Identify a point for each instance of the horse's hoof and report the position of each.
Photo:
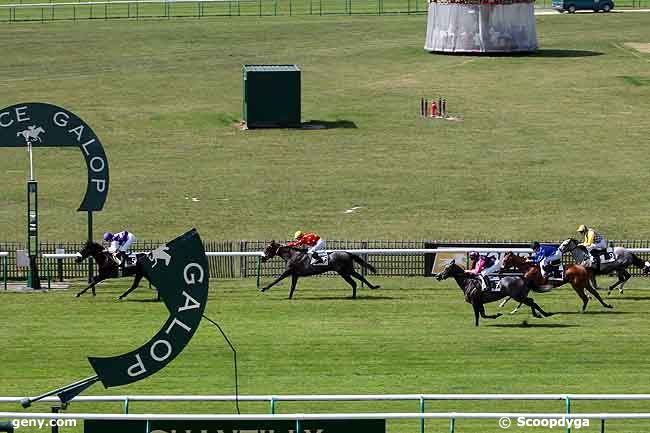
(549, 314)
(499, 315)
(77, 295)
(375, 287)
(609, 306)
(120, 298)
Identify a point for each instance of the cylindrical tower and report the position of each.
(481, 26)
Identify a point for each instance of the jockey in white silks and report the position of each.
(120, 244)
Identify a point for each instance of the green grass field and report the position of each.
(411, 336)
(548, 141)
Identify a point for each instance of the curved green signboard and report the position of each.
(47, 125)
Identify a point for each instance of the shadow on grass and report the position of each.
(564, 53)
(532, 325)
(629, 298)
(328, 124)
(142, 300)
(337, 298)
(595, 312)
(550, 53)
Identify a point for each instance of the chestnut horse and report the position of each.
(576, 275)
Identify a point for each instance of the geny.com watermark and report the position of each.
(522, 421)
(43, 423)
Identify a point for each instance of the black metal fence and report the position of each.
(401, 265)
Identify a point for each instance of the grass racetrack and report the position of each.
(411, 336)
(548, 141)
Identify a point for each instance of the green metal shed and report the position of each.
(271, 96)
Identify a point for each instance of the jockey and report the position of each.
(310, 239)
(593, 241)
(545, 255)
(120, 243)
(483, 266)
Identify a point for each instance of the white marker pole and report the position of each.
(31, 159)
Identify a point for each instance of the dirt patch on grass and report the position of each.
(643, 47)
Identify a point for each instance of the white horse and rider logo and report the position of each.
(31, 134)
(160, 254)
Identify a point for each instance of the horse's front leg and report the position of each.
(477, 309)
(136, 282)
(92, 285)
(282, 276)
(294, 281)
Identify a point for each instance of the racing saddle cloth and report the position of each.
(322, 255)
(491, 283)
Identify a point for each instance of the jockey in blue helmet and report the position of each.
(545, 255)
(119, 244)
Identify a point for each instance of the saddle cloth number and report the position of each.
(494, 284)
(323, 257)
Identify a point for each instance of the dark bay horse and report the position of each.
(514, 287)
(298, 264)
(108, 268)
(624, 259)
(576, 275)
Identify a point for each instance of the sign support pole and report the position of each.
(90, 239)
(33, 280)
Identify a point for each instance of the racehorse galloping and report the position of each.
(624, 259)
(298, 264)
(515, 287)
(108, 268)
(576, 275)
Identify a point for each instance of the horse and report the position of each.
(298, 264)
(514, 287)
(576, 275)
(623, 260)
(108, 268)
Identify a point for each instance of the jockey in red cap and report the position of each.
(311, 240)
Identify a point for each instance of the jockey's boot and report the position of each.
(316, 257)
(485, 283)
(117, 258)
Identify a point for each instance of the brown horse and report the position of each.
(576, 275)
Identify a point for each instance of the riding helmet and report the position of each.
(582, 228)
(297, 234)
(534, 245)
(108, 236)
(474, 255)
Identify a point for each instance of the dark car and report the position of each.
(576, 5)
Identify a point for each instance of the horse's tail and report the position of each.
(363, 263)
(637, 261)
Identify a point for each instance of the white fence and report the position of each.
(260, 254)
(422, 415)
(368, 251)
